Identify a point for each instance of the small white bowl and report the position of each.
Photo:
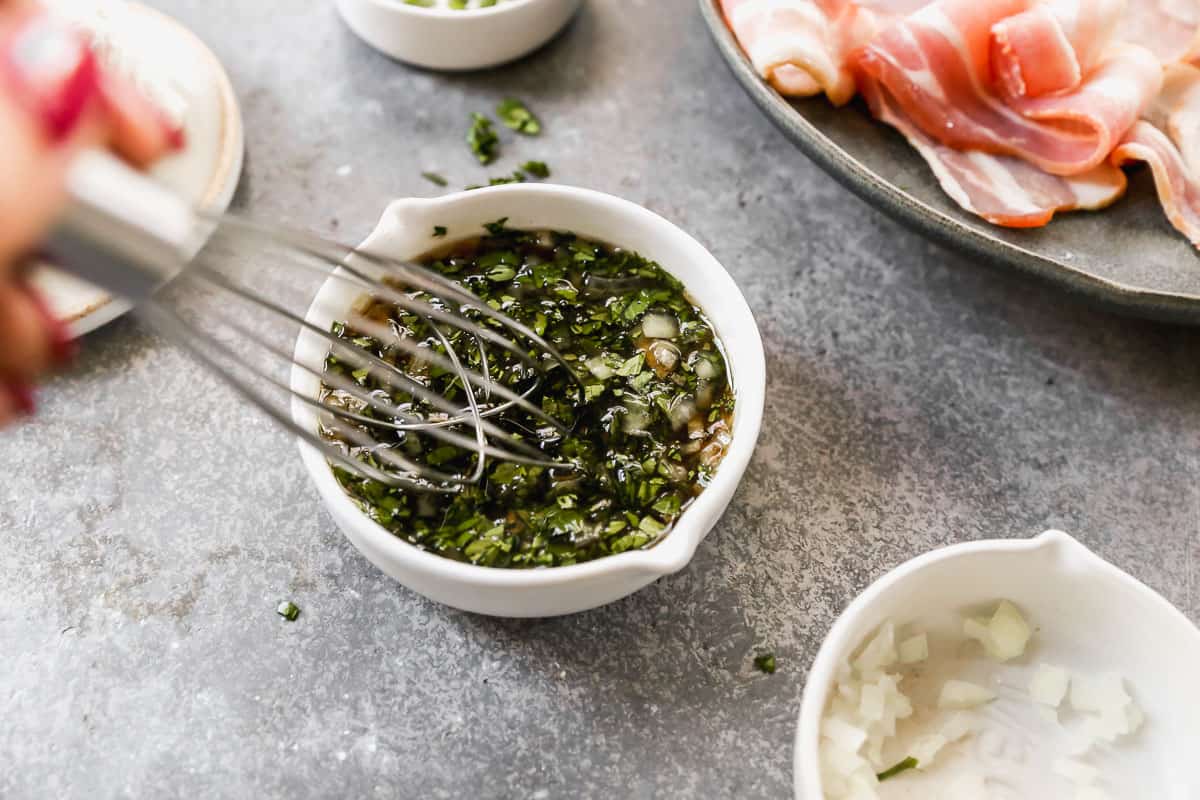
(440, 38)
(1087, 616)
(406, 232)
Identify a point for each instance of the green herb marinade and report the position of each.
(647, 428)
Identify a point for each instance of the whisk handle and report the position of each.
(121, 230)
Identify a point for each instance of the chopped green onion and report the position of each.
(288, 610)
(433, 177)
(896, 769)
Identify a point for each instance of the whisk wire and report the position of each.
(395, 379)
(131, 236)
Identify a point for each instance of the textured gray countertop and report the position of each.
(914, 400)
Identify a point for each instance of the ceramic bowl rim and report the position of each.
(446, 13)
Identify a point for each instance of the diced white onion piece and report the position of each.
(862, 786)
(1048, 713)
(635, 418)
(875, 752)
(880, 652)
(682, 410)
(1009, 632)
(843, 734)
(1101, 728)
(663, 356)
(979, 631)
(1079, 744)
(1075, 771)
(967, 786)
(963, 694)
(705, 369)
(870, 707)
(1049, 685)
(598, 368)
(1096, 693)
(914, 649)
(1133, 717)
(903, 707)
(840, 760)
(833, 780)
(659, 326)
(957, 726)
(925, 748)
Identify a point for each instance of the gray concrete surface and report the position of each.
(914, 400)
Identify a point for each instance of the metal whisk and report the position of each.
(129, 236)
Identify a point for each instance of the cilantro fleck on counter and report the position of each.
(647, 429)
(537, 169)
(515, 115)
(482, 139)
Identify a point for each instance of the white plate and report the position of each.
(205, 173)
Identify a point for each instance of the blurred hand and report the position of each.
(55, 101)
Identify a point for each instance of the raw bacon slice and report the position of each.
(1004, 190)
(1169, 142)
(1176, 112)
(935, 65)
(801, 47)
(1178, 190)
(1052, 46)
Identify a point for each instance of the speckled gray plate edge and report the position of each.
(880, 193)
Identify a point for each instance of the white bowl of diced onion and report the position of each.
(1006, 669)
(462, 35)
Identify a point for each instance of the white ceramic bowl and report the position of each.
(1088, 616)
(406, 231)
(439, 38)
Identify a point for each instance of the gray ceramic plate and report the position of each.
(1127, 258)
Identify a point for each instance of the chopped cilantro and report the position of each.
(516, 177)
(765, 662)
(439, 230)
(514, 114)
(496, 228)
(482, 139)
(288, 610)
(632, 365)
(537, 169)
(433, 177)
(636, 470)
